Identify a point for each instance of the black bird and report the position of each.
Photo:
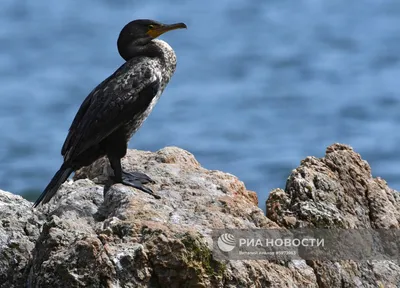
(117, 107)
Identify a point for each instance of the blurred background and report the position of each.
(259, 85)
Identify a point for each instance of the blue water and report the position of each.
(259, 85)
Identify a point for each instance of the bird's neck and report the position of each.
(149, 49)
(156, 49)
(169, 58)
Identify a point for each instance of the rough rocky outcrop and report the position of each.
(339, 191)
(93, 234)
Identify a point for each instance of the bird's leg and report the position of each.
(133, 179)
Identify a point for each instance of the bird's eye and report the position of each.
(151, 26)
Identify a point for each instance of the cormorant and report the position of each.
(117, 107)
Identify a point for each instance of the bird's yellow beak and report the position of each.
(156, 31)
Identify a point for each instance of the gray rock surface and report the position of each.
(19, 230)
(338, 191)
(93, 234)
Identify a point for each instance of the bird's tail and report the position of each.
(51, 189)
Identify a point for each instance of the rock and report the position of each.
(338, 191)
(335, 191)
(93, 234)
(19, 230)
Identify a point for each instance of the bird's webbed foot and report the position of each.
(133, 179)
(137, 180)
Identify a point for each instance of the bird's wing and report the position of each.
(126, 93)
(80, 115)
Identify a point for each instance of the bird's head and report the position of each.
(139, 33)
